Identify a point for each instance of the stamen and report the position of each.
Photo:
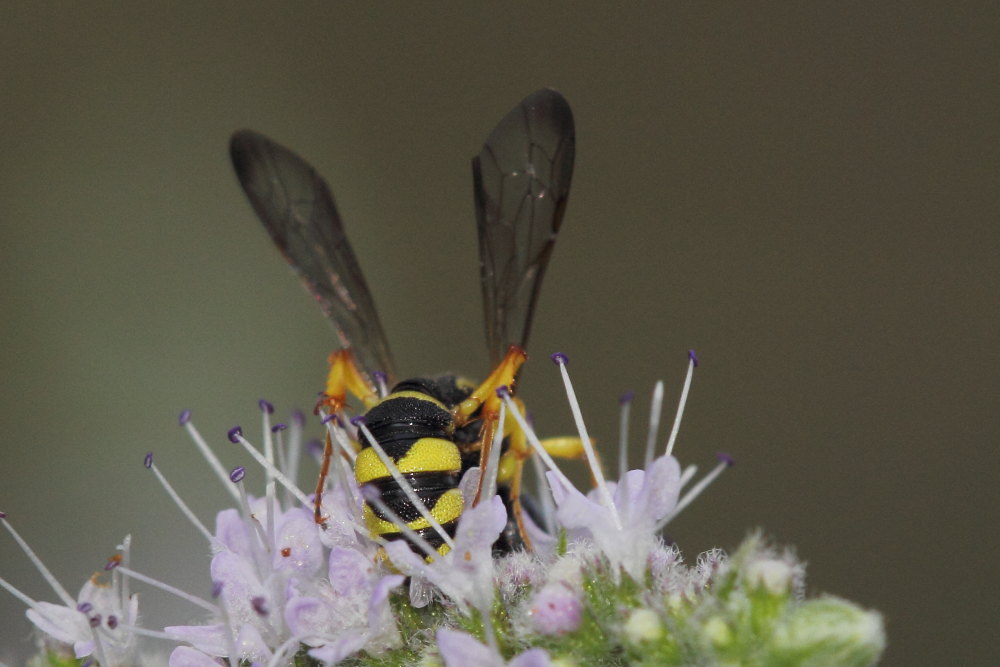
(401, 481)
(155, 634)
(249, 519)
(266, 410)
(373, 496)
(279, 446)
(98, 644)
(193, 599)
(7, 586)
(126, 551)
(234, 434)
(692, 364)
(380, 380)
(227, 623)
(206, 452)
(335, 426)
(725, 461)
(532, 439)
(493, 464)
(544, 495)
(281, 651)
(148, 462)
(687, 474)
(595, 467)
(342, 473)
(259, 605)
(626, 403)
(655, 410)
(66, 598)
(293, 446)
(278, 475)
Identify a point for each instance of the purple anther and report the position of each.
(503, 391)
(379, 377)
(626, 397)
(148, 461)
(184, 417)
(725, 458)
(357, 421)
(234, 434)
(216, 589)
(329, 418)
(278, 427)
(112, 622)
(299, 417)
(259, 605)
(265, 406)
(237, 474)
(95, 620)
(559, 359)
(314, 446)
(112, 563)
(84, 607)
(693, 357)
(3, 515)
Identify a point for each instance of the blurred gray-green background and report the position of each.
(806, 193)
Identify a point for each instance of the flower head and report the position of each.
(600, 579)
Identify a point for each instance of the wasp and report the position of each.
(433, 429)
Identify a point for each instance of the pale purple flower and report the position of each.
(98, 611)
(641, 499)
(555, 610)
(459, 649)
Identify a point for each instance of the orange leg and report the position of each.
(485, 396)
(344, 377)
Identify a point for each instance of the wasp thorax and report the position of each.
(413, 410)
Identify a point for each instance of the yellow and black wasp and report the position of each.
(434, 429)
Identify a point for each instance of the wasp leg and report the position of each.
(344, 377)
(485, 396)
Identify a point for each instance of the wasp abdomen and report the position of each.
(415, 429)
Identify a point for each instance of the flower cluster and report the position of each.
(600, 585)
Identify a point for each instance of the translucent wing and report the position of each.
(521, 180)
(296, 207)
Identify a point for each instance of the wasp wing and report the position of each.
(521, 180)
(296, 207)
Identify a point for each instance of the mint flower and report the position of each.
(600, 585)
